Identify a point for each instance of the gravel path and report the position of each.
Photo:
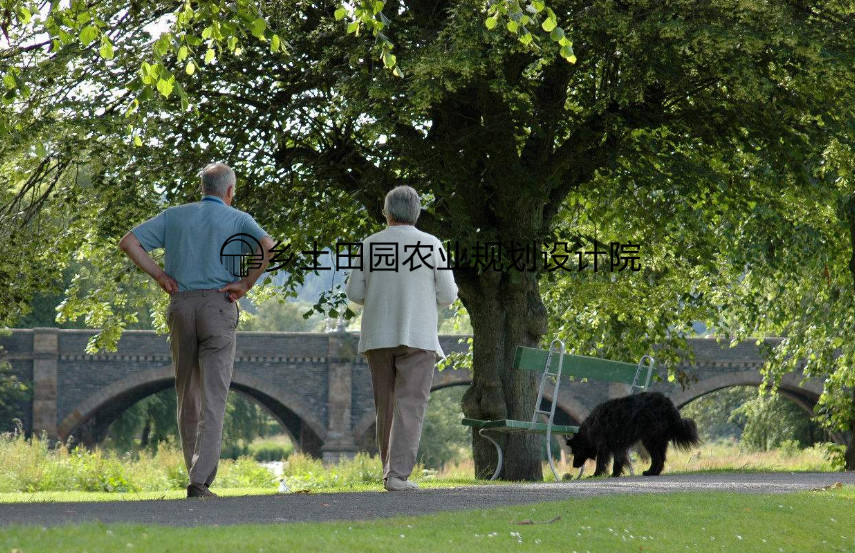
(371, 505)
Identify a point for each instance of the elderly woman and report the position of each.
(402, 285)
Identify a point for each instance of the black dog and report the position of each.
(618, 424)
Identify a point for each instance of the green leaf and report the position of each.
(9, 81)
(185, 102)
(549, 24)
(210, 55)
(106, 50)
(165, 86)
(161, 46)
(183, 52)
(207, 32)
(275, 43)
(397, 72)
(191, 68)
(340, 13)
(378, 6)
(513, 26)
(526, 38)
(390, 60)
(491, 22)
(353, 27)
(258, 28)
(137, 141)
(88, 35)
(567, 53)
(25, 14)
(557, 34)
(233, 41)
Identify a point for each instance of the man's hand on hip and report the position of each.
(169, 284)
(236, 289)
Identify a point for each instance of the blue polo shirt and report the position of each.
(200, 242)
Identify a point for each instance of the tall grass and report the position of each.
(302, 472)
(35, 465)
(709, 457)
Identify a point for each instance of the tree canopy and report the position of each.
(701, 130)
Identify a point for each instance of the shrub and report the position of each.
(302, 472)
(233, 450)
(244, 473)
(269, 450)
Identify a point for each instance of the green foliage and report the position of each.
(758, 422)
(186, 32)
(13, 393)
(245, 473)
(270, 450)
(444, 439)
(148, 423)
(712, 133)
(283, 316)
(522, 17)
(33, 465)
(302, 472)
(770, 422)
(712, 413)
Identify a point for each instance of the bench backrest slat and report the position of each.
(577, 366)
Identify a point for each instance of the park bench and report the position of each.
(553, 364)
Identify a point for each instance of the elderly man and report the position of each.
(399, 328)
(203, 310)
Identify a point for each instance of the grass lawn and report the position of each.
(804, 523)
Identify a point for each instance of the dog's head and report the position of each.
(581, 448)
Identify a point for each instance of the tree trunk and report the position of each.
(849, 455)
(145, 437)
(506, 311)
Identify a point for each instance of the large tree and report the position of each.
(494, 132)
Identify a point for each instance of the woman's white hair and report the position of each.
(216, 179)
(402, 205)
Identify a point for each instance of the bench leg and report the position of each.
(498, 450)
(549, 454)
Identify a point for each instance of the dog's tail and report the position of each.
(684, 434)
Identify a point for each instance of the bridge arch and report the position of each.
(804, 394)
(90, 420)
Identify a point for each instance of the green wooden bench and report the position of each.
(553, 364)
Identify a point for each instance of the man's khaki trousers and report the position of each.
(202, 331)
(401, 378)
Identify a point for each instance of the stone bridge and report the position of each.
(313, 383)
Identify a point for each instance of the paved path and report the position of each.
(371, 505)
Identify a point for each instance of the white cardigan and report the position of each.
(401, 305)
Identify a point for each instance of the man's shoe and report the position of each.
(393, 484)
(200, 490)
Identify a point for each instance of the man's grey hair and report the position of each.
(402, 205)
(216, 179)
